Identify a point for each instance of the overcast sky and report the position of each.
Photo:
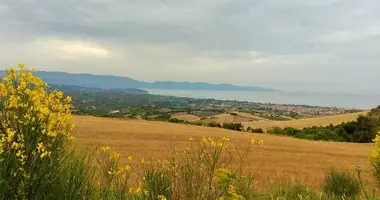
(291, 45)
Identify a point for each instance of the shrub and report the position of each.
(175, 120)
(254, 130)
(291, 191)
(275, 131)
(36, 161)
(375, 158)
(233, 126)
(363, 130)
(213, 124)
(341, 184)
(225, 180)
(158, 183)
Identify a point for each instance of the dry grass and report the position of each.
(308, 122)
(250, 116)
(280, 158)
(237, 118)
(186, 117)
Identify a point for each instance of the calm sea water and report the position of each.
(364, 101)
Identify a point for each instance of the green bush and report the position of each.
(157, 182)
(213, 124)
(363, 130)
(288, 191)
(341, 184)
(175, 120)
(233, 126)
(254, 130)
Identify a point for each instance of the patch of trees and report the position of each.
(233, 126)
(363, 130)
(254, 130)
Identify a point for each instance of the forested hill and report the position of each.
(107, 81)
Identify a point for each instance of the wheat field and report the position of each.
(186, 117)
(307, 122)
(281, 158)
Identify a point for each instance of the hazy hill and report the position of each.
(106, 81)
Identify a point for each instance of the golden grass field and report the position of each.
(308, 122)
(281, 158)
(239, 117)
(186, 117)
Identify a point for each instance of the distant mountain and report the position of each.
(107, 81)
(75, 88)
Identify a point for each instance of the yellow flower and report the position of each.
(11, 70)
(3, 90)
(191, 139)
(142, 161)
(68, 99)
(105, 149)
(115, 155)
(261, 142)
(21, 65)
(18, 154)
(15, 145)
(127, 168)
(59, 94)
(138, 189)
(252, 141)
(161, 197)
(40, 147)
(46, 153)
(226, 139)
(130, 158)
(10, 135)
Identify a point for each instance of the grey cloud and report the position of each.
(298, 41)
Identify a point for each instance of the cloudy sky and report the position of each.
(291, 45)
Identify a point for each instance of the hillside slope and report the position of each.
(280, 157)
(108, 81)
(308, 122)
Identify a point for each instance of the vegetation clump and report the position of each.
(340, 184)
(36, 161)
(363, 130)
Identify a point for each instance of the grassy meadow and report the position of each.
(279, 159)
(307, 122)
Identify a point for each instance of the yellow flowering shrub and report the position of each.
(375, 157)
(35, 125)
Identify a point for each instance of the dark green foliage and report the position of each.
(162, 117)
(375, 113)
(254, 130)
(175, 120)
(363, 130)
(214, 124)
(233, 126)
(341, 184)
(69, 177)
(198, 123)
(158, 182)
(287, 191)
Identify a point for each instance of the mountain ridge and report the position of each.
(111, 81)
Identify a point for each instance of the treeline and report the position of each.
(363, 130)
(229, 126)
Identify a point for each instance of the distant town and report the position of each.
(134, 103)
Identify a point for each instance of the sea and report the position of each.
(354, 101)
